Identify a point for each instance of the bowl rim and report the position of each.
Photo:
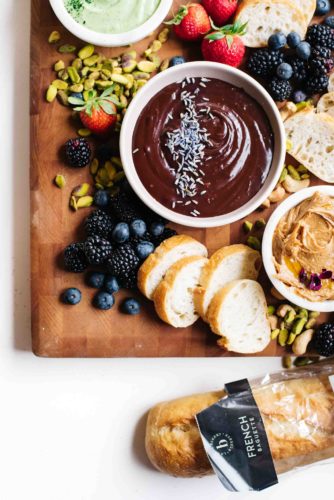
(108, 39)
(267, 253)
(180, 71)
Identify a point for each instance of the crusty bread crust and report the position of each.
(155, 257)
(210, 268)
(214, 312)
(165, 287)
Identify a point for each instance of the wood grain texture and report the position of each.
(59, 330)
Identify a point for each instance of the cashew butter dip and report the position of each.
(202, 147)
(111, 16)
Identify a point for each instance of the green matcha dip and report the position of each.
(111, 16)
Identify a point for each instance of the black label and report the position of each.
(235, 440)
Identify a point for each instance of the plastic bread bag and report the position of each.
(251, 432)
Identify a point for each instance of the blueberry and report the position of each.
(111, 284)
(174, 61)
(103, 300)
(323, 7)
(137, 227)
(130, 306)
(157, 228)
(293, 39)
(71, 296)
(101, 198)
(284, 71)
(303, 50)
(277, 41)
(121, 232)
(95, 279)
(329, 21)
(144, 248)
(299, 96)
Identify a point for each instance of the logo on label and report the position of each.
(223, 443)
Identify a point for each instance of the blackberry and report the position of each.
(320, 34)
(129, 281)
(319, 51)
(264, 62)
(104, 152)
(324, 339)
(100, 223)
(299, 68)
(318, 66)
(75, 258)
(167, 233)
(134, 240)
(122, 208)
(97, 249)
(317, 84)
(78, 152)
(123, 262)
(280, 89)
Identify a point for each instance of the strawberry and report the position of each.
(224, 45)
(98, 113)
(220, 11)
(191, 22)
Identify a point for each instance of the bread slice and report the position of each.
(308, 8)
(312, 141)
(229, 263)
(326, 104)
(238, 312)
(165, 255)
(174, 297)
(331, 83)
(265, 17)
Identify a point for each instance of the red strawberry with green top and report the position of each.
(191, 22)
(224, 45)
(98, 113)
(220, 11)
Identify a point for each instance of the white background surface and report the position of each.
(72, 429)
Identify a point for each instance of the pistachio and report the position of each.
(130, 80)
(51, 93)
(288, 145)
(99, 186)
(283, 175)
(289, 317)
(101, 84)
(302, 361)
(117, 161)
(119, 79)
(273, 321)
(94, 166)
(164, 65)
(141, 75)
(293, 172)
(119, 176)
(163, 35)
(81, 190)
(60, 84)
(310, 324)
(305, 176)
(298, 325)
(277, 195)
(260, 223)
(60, 181)
(283, 337)
(299, 347)
(155, 60)
(86, 51)
(247, 226)
(155, 46)
(63, 74)
(73, 74)
(292, 186)
(90, 61)
(141, 83)
(254, 242)
(266, 203)
(286, 361)
(95, 75)
(77, 87)
(59, 65)
(302, 169)
(67, 49)
(84, 71)
(146, 66)
(284, 309)
(302, 313)
(271, 310)
(84, 132)
(291, 338)
(62, 97)
(129, 65)
(54, 37)
(132, 54)
(85, 202)
(111, 169)
(275, 293)
(314, 314)
(117, 71)
(77, 63)
(89, 84)
(73, 203)
(275, 333)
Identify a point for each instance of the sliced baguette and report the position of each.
(165, 255)
(311, 136)
(238, 312)
(265, 17)
(174, 296)
(229, 263)
(326, 104)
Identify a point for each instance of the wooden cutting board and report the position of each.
(63, 331)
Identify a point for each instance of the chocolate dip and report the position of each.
(202, 147)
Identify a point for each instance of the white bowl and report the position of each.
(229, 75)
(267, 251)
(110, 40)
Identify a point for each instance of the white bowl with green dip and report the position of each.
(111, 23)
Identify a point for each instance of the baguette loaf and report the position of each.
(265, 17)
(298, 416)
(153, 270)
(311, 136)
(238, 312)
(326, 104)
(174, 296)
(226, 264)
